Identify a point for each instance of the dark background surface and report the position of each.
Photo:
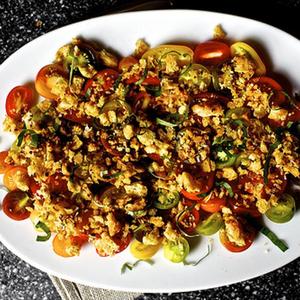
(22, 21)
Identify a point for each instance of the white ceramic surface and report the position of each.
(120, 33)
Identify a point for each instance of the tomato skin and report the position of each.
(73, 115)
(189, 220)
(3, 165)
(102, 82)
(57, 184)
(268, 84)
(19, 100)
(46, 79)
(274, 177)
(294, 113)
(126, 62)
(211, 53)
(33, 186)
(12, 205)
(214, 204)
(149, 80)
(239, 208)
(9, 177)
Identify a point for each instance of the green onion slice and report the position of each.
(209, 250)
(129, 266)
(274, 239)
(44, 227)
(227, 186)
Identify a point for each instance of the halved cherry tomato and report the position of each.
(239, 207)
(232, 247)
(77, 117)
(57, 184)
(248, 182)
(60, 243)
(3, 165)
(189, 220)
(211, 53)
(47, 78)
(122, 243)
(269, 85)
(19, 100)
(294, 113)
(149, 80)
(142, 251)
(241, 48)
(16, 174)
(33, 186)
(110, 148)
(14, 205)
(82, 220)
(102, 82)
(214, 204)
(205, 180)
(277, 181)
(126, 62)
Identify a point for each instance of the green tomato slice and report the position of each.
(176, 251)
(211, 225)
(166, 199)
(283, 211)
(227, 163)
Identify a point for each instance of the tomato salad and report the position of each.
(152, 149)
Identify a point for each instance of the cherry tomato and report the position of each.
(211, 53)
(15, 174)
(142, 251)
(189, 220)
(205, 181)
(102, 82)
(60, 243)
(239, 207)
(57, 184)
(126, 62)
(33, 186)
(248, 232)
(149, 80)
(82, 220)
(3, 165)
(47, 78)
(141, 102)
(14, 205)
(277, 181)
(294, 113)
(19, 100)
(248, 182)
(214, 204)
(122, 243)
(77, 117)
(109, 144)
(269, 85)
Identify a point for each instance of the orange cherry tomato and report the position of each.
(57, 184)
(103, 82)
(14, 205)
(19, 101)
(61, 243)
(3, 165)
(15, 174)
(214, 204)
(269, 85)
(47, 78)
(126, 62)
(211, 53)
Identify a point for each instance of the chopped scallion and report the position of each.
(44, 227)
(130, 266)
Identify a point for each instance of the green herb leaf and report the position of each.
(268, 159)
(162, 122)
(227, 186)
(34, 137)
(21, 137)
(44, 227)
(130, 266)
(274, 239)
(139, 82)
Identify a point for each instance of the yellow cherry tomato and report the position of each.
(142, 251)
(241, 48)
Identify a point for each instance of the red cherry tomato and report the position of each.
(149, 80)
(211, 53)
(249, 234)
(3, 165)
(121, 242)
(246, 183)
(126, 62)
(239, 207)
(33, 186)
(14, 205)
(19, 101)
(189, 220)
(103, 82)
(11, 174)
(77, 117)
(57, 184)
(214, 204)
(269, 85)
(277, 181)
(47, 78)
(294, 113)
